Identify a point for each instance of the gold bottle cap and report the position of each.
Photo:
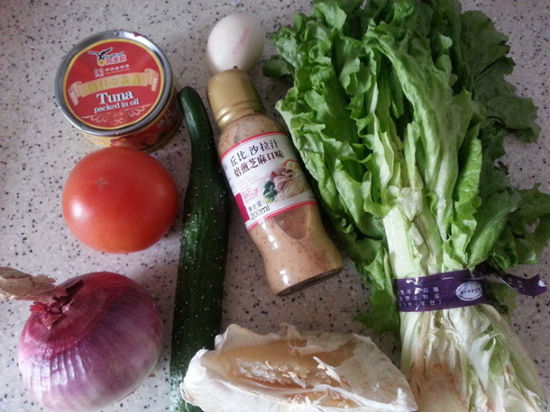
(232, 95)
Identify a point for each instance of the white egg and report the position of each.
(237, 41)
(295, 371)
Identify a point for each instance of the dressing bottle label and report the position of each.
(265, 177)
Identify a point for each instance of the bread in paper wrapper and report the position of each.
(294, 371)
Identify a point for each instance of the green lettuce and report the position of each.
(399, 110)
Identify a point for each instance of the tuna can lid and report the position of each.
(113, 83)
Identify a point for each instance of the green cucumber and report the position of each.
(204, 237)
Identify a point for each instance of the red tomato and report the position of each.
(119, 200)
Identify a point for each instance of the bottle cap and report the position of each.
(232, 95)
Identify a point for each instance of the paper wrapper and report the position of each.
(293, 370)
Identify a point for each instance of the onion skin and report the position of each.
(105, 338)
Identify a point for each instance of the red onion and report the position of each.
(91, 344)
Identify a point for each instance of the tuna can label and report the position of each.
(113, 83)
(265, 177)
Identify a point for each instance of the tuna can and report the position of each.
(117, 89)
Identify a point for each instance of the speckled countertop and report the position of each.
(38, 148)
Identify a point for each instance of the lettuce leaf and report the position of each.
(399, 110)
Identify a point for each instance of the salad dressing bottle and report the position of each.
(271, 191)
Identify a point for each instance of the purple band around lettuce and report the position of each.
(457, 289)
